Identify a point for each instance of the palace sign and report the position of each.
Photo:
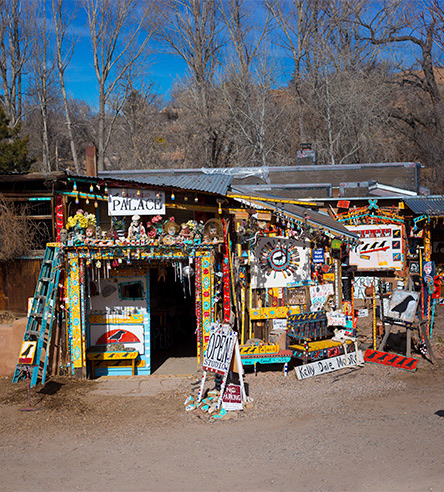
(130, 202)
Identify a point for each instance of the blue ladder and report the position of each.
(41, 316)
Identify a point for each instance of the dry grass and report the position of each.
(17, 236)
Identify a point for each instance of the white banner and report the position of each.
(327, 365)
(130, 202)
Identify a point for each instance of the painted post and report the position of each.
(374, 317)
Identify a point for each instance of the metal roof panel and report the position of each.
(431, 205)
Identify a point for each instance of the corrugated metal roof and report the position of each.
(302, 213)
(431, 205)
(210, 183)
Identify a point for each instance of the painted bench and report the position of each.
(96, 357)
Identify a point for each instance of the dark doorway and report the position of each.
(173, 317)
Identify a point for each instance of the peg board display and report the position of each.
(278, 261)
(381, 247)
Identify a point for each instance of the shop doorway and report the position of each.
(173, 321)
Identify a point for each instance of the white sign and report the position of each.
(381, 247)
(279, 261)
(131, 202)
(232, 399)
(327, 365)
(217, 357)
(280, 324)
(336, 319)
(362, 313)
(318, 296)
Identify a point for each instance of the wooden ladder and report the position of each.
(41, 316)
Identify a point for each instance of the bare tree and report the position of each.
(193, 30)
(119, 36)
(15, 40)
(64, 51)
(42, 74)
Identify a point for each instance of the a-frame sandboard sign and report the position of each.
(222, 344)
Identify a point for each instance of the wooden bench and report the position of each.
(111, 356)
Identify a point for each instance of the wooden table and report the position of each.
(110, 356)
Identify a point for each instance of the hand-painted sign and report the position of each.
(328, 365)
(318, 295)
(135, 202)
(217, 356)
(402, 306)
(232, 399)
(318, 255)
(27, 352)
(381, 247)
(279, 261)
(376, 357)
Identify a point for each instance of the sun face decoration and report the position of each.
(279, 257)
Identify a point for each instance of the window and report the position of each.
(132, 291)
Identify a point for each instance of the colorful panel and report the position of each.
(376, 357)
(74, 312)
(269, 313)
(100, 319)
(207, 272)
(259, 349)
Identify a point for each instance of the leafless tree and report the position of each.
(15, 41)
(64, 50)
(193, 30)
(119, 36)
(42, 74)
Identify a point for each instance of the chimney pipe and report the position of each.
(91, 160)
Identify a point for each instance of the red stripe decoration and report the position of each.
(394, 360)
(226, 279)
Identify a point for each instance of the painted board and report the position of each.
(27, 352)
(327, 365)
(318, 296)
(402, 305)
(130, 202)
(130, 335)
(232, 398)
(217, 356)
(394, 360)
(381, 247)
(279, 261)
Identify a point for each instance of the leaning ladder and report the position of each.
(41, 316)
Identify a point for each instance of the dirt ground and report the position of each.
(374, 428)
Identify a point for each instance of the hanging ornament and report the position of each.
(173, 196)
(123, 192)
(185, 198)
(138, 193)
(98, 186)
(87, 200)
(106, 189)
(74, 186)
(196, 199)
(96, 203)
(91, 188)
(220, 208)
(77, 199)
(158, 195)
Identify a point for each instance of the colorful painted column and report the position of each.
(207, 273)
(75, 323)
